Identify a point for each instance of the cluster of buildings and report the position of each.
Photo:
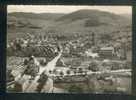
(80, 48)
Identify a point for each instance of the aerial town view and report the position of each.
(69, 49)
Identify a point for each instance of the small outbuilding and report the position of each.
(106, 52)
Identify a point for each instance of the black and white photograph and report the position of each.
(69, 49)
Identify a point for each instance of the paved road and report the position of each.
(59, 90)
(127, 71)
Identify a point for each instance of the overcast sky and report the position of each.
(67, 9)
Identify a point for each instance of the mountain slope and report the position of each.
(85, 13)
(44, 16)
(81, 22)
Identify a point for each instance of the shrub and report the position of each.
(75, 89)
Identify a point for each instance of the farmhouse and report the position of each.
(106, 52)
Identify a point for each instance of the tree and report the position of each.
(68, 72)
(75, 72)
(80, 70)
(10, 77)
(43, 62)
(42, 80)
(61, 73)
(50, 71)
(25, 62)
(93, 66)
